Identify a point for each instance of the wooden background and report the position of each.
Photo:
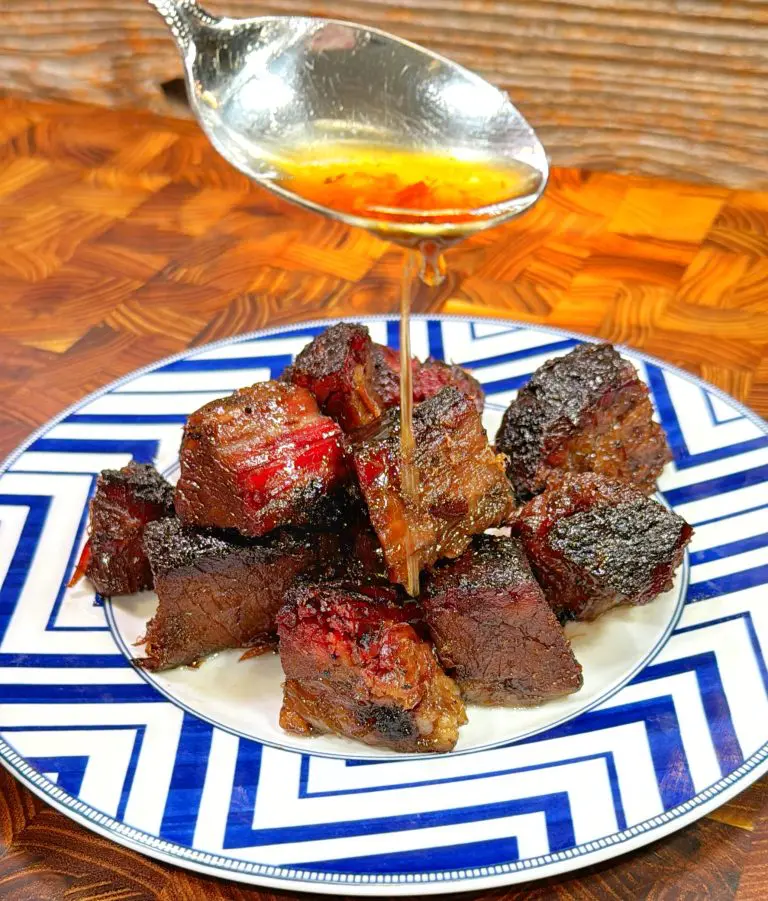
(124, 237)
(669, 88)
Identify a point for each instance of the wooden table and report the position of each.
(124, 237)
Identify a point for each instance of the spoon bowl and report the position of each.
(268, 89)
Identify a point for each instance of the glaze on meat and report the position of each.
(462, 486)
(355, 666)
(585, 412)
(595, 544)
(493, 629)
(259, 459)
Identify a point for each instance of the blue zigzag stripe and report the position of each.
(421, 860)
(24, 553)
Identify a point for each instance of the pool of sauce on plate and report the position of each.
(424, 201)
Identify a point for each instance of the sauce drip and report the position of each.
(409, 476)
(422, 200)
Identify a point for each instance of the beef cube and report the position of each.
(354, 665)
(462, 486)
(354, 380)
(594, 544)
(217, 591)
(125, 501)
(257, 460)
(338, 368)
(429, 378)
(493, 629)
(585, 412)
(434, 375)
(386, 369)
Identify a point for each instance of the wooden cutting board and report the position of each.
(124, 238)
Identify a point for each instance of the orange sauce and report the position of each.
(402, 187)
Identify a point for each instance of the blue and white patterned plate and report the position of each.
(190, 766)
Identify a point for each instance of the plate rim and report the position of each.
(254, 873)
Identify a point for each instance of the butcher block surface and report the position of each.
(125, 238)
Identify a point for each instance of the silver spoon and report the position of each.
(269, 87)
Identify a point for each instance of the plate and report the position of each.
(190, 766)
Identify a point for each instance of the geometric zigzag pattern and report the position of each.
(83, 728)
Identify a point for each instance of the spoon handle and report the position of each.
(183, 17)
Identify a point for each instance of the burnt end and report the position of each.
(218, 591)
(585, 412)
(429, 378)
(595, 544)
(355, 666)
(462, 486)
(338, 368)
(434, 375)
(493, 629)
(125, 501)
(386, 374)
(261, 459)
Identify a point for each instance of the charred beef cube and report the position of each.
(585, 412)
(338, 368)
(354, 665)
(434, 375)
(259, 459)
(429, 378)
(595, 544)
(125, 501)
(493, 629)
(462, 488)
(217, 591)
(386, 369)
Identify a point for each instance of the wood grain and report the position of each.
(642, 86)
(125, 238)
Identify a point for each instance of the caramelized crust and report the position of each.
(462, 486)
(585, 412)
(125, 501)
(493, 629)
(257, 460)
(218, 591)
(338, 368)
(355, 666)
(595, 544)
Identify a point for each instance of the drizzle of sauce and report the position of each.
(409, 476)
(424, 201)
